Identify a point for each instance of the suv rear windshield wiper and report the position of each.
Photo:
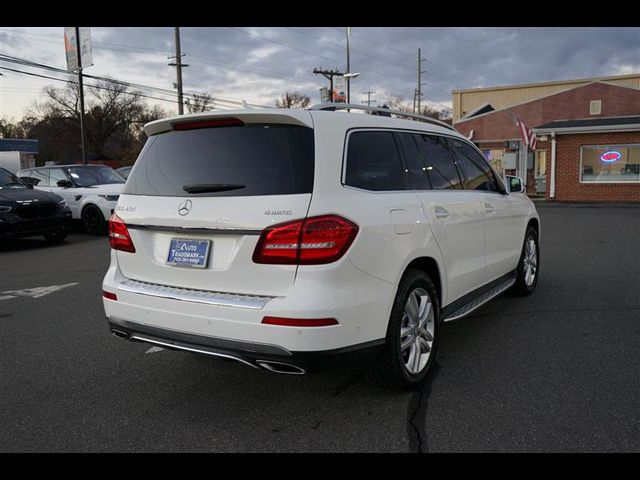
(212, 187)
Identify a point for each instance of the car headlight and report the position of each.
(110, 198)
(5, 208)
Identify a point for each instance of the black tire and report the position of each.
(521, 288)
(56, 237)
(388, 370)
(93, 220)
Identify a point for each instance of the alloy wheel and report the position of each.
(416, 331)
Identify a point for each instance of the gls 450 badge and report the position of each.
(125, 208)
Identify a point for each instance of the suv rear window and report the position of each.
(251, 159)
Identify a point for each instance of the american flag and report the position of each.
(528, 136)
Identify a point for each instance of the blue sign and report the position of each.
(18, 145)
(188, 253)
(610, 156)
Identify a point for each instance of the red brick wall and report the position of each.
(568, 186)
(570, 105)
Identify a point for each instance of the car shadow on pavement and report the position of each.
(76, 235)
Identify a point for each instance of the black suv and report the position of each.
(26, 212)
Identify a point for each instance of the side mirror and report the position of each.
(29, 181)
(515, 184)
(64, 183)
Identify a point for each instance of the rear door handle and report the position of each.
(441, 212)
(489, 208)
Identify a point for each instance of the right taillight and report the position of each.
(313, 241)
(119, 237)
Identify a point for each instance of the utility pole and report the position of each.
(179, 66)
(348, 70)
(420, 83)
(368, 93)
(81, 92)
(328, 74)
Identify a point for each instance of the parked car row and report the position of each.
(26, 212)
(90, 191)
(45, 200)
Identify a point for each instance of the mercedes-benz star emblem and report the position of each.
(184, 207)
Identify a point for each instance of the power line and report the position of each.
(408, 55)
(254, 35)
(143, 49)
(153, 89)
(352, 49)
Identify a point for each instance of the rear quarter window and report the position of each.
(373, 162)
(259, 159)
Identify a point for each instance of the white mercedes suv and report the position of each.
(298, 240)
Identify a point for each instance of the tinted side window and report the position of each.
(440, 167)
(42, 177)
(478, 175)
(56, 174)
(373, 162)
(416, 163)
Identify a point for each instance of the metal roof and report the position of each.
(591, 122)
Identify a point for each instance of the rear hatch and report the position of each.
(214, 182)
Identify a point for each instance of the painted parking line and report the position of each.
(154, 350)
(35, 292)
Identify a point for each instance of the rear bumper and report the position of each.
(359, 302)
(256, 355)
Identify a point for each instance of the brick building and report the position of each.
(594, 124)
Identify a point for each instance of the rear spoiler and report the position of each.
(282, 116)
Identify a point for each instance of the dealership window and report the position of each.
(610, 163)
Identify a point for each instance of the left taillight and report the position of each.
(119, 237)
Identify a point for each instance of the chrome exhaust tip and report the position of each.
(119, 333)
(279, 367)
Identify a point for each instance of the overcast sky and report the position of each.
(259, 64)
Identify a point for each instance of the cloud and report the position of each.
(259, 64)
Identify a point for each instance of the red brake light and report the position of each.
(221, 122)
(313, 241)
(119, 235)
(300, 322)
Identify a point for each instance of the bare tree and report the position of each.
(11, 129)
(293, 100)
(114, 115)
(396, 102)
(201, 102)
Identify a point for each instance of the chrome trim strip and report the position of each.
(189, 349)
(500, 289)
(204, 230)
(255, 302)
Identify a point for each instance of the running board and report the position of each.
(480, 300)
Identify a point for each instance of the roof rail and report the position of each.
(379, 111)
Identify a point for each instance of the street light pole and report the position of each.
(81, 93)
(348, 70)
(179, 70)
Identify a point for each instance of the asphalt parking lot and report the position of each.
(556, 371)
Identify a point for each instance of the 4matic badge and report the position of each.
(278, 212)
